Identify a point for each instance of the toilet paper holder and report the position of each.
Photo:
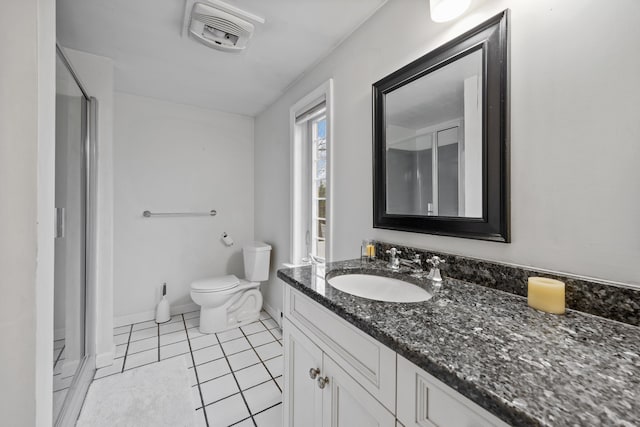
(226, 239)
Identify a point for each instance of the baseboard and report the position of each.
(273, 313)
(106, 358)
(151, 314)
(58, 334)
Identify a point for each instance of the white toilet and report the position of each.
(228, 302)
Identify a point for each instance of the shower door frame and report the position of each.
(84, 374)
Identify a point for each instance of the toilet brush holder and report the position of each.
(163, 310)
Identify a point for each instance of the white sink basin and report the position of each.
(379, 288)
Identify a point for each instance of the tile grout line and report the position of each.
(58, 358)
(260, 358)
(274, 337)
(124, 362)
(195, 371)
(244, 399)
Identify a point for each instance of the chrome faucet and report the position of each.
(414, 263)
(394, 260)
(434, 274)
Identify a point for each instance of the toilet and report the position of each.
(228, 302)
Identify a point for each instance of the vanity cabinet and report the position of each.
(336, 375)
(423, 401)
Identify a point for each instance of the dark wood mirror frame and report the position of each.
(492, 38)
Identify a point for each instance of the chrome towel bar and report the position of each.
(149, 214)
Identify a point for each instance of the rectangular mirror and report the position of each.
(441, 138)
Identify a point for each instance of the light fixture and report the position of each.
(446, 10)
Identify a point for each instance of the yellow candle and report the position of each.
(546, 295)
(371, 251)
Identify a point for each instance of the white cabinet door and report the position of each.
(347, 404)
(424, 401)
(302, 396)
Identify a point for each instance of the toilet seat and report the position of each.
(216, 284)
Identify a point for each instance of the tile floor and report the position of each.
(60, 383)
(236, 375)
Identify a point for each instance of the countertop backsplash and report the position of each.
(589, 296)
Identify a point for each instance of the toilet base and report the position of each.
(241, 310)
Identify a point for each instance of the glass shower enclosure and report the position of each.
(74, 344)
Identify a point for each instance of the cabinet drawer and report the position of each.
(368, 361)
(424, 401)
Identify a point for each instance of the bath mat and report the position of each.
(154, 395)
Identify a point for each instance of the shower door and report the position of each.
(74, 355)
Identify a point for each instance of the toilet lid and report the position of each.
(221, 283)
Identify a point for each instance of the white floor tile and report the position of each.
(120, 351)
(122, 330)
(121, 339)
(174, 349)
(192, 376)
(145, 325)
(203, 341)
(110, 370)
(199, 419)
(192, 323)
(227, 411)
(58, 344)
(262, 396)
(268, 351)
(195, 397)
(142, 345)
(218, 389)
(172, 337)
(229, 335)
(139, 359)
(270, 323)
(235, 346)
(275, 366)
(244, 423)
(191, 315)
(280, 382)
(143, 334)
(243, 359)
(57, 370)
(58, 400)
(214, 369)
(264, 315)
(60, 383)
(270, 418)
(260, 338)
(171, 327)
(194, 333)
(207, 354)
(276, 333)
(253, 375)
(253, 328)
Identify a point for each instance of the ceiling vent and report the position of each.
(219, 25)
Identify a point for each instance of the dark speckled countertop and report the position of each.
(527, 367)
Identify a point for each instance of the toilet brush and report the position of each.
(163, 312)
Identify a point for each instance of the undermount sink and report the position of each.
(379, 288)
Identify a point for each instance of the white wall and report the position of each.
(96, 74)
(27, 102)
(574, 149)
(177, 158)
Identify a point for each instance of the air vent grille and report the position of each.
(222, 24)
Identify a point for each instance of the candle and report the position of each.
(371, 251)
(546, 295)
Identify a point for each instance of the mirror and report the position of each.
(440, 139)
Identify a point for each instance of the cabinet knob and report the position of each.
(322, 382)
(313, 373)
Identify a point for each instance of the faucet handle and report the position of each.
(436, 261)
(393, 252)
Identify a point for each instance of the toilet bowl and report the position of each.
(228, 302)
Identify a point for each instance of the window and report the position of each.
(310, 178)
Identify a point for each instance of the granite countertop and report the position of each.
(527, 367)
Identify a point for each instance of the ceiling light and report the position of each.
(446, 10)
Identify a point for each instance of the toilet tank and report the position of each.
(256, 261)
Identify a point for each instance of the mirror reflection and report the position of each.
(433, 140)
